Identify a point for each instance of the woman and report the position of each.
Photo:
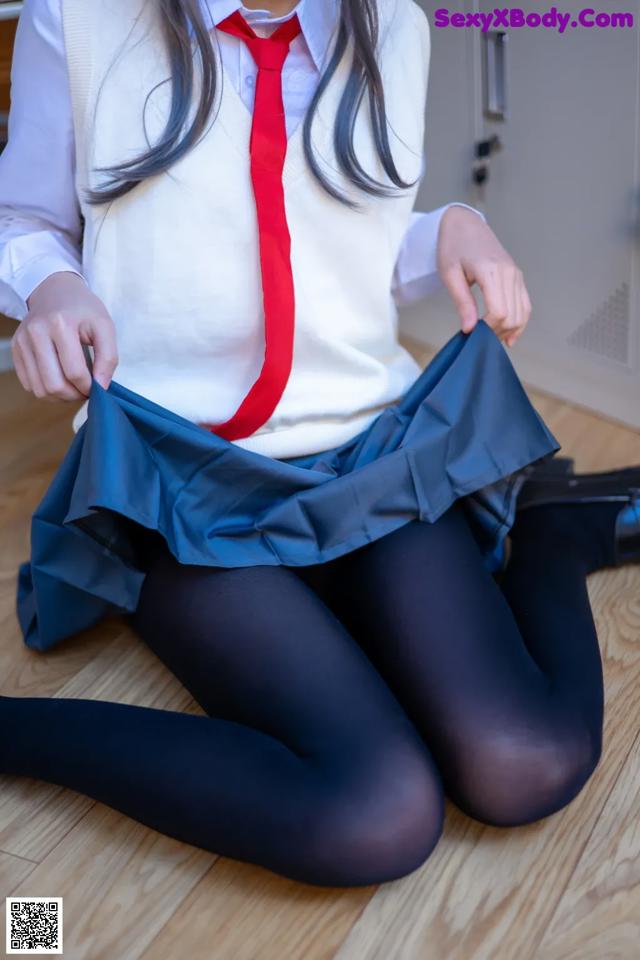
(309, 531)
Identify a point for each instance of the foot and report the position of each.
(603, 505)
(542, 486)
(550, 466)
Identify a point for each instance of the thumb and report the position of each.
(105, 354)
(460, 292)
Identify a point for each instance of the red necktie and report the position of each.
(268, 148)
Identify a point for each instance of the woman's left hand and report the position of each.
(469, 252)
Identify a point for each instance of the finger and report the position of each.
(513, 320)
(521, 315)
(491, 285)
(48, 361)
(525, 312)
(72, 361)
(105, 353)
(526, 299)
(19, 365)
(31, 366)
(460, 292)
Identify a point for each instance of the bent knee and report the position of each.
(379, 827)
(509, 779)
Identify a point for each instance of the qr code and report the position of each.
(34, 925)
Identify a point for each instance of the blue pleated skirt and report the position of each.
(135, 472)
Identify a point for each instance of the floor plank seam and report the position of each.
(596, 820)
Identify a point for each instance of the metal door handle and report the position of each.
(495, 74)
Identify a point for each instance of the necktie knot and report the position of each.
(269, 53)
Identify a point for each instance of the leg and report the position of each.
(306, 763)
(504, 683)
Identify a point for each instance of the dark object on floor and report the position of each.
(623, 485)
(550, 466)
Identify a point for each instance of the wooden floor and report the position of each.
(565, 888)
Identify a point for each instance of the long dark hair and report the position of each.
(358, 21)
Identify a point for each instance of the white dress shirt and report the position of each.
(40, 226)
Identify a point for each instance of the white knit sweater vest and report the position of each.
(176, 261)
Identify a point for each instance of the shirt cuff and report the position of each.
(32, 273)
(416, 274)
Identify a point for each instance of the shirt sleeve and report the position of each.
(40, 218)
(416, 272)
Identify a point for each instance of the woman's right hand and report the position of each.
(47, 351)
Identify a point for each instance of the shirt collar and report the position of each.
(318, 19)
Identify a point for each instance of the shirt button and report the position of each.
(249, 81)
